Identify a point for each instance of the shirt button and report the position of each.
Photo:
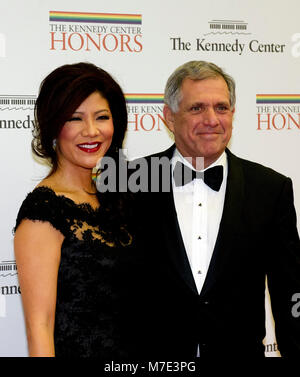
(199, 237)
(200, 204)
(199, 272)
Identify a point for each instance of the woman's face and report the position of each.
(87, 135)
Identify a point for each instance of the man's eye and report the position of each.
(222, 108)
(196, 108)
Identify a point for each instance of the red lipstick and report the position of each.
(89, 147)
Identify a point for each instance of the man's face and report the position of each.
(202, 126)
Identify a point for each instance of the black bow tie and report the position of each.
(213, 177)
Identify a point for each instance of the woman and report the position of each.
(71, 243)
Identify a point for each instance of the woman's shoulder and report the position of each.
(52, 203)
(41, 204)
(40, 197)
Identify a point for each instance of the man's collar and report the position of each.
(177, 156)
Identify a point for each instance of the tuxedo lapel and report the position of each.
(171, 231)
(230, 221)
(174, 242)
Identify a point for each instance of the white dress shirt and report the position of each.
(199, 211)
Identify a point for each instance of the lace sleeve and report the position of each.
(43, 205)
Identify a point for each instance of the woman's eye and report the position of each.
(73, 119)
(103, 117)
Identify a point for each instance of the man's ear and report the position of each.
(169, 117)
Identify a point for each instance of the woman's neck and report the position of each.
(77, 180)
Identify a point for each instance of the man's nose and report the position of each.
(210, 117)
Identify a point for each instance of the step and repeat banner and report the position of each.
(140, 43)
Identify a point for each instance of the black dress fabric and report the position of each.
(96, 257)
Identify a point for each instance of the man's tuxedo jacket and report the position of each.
(257, 239)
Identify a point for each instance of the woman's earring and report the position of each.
(54, 144)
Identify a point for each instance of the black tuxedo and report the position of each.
(257, 238)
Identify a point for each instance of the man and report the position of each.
(209, 249)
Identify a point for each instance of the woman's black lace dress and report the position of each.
(96, 257)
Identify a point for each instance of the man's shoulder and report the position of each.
(168, 153)
(255, 170)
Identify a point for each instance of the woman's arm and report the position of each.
(37, 250)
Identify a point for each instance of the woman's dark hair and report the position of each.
(61, 93)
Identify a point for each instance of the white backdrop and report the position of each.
(140, 43)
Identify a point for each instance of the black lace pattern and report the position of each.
(95, 258)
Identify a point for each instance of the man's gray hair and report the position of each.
(195, 70)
